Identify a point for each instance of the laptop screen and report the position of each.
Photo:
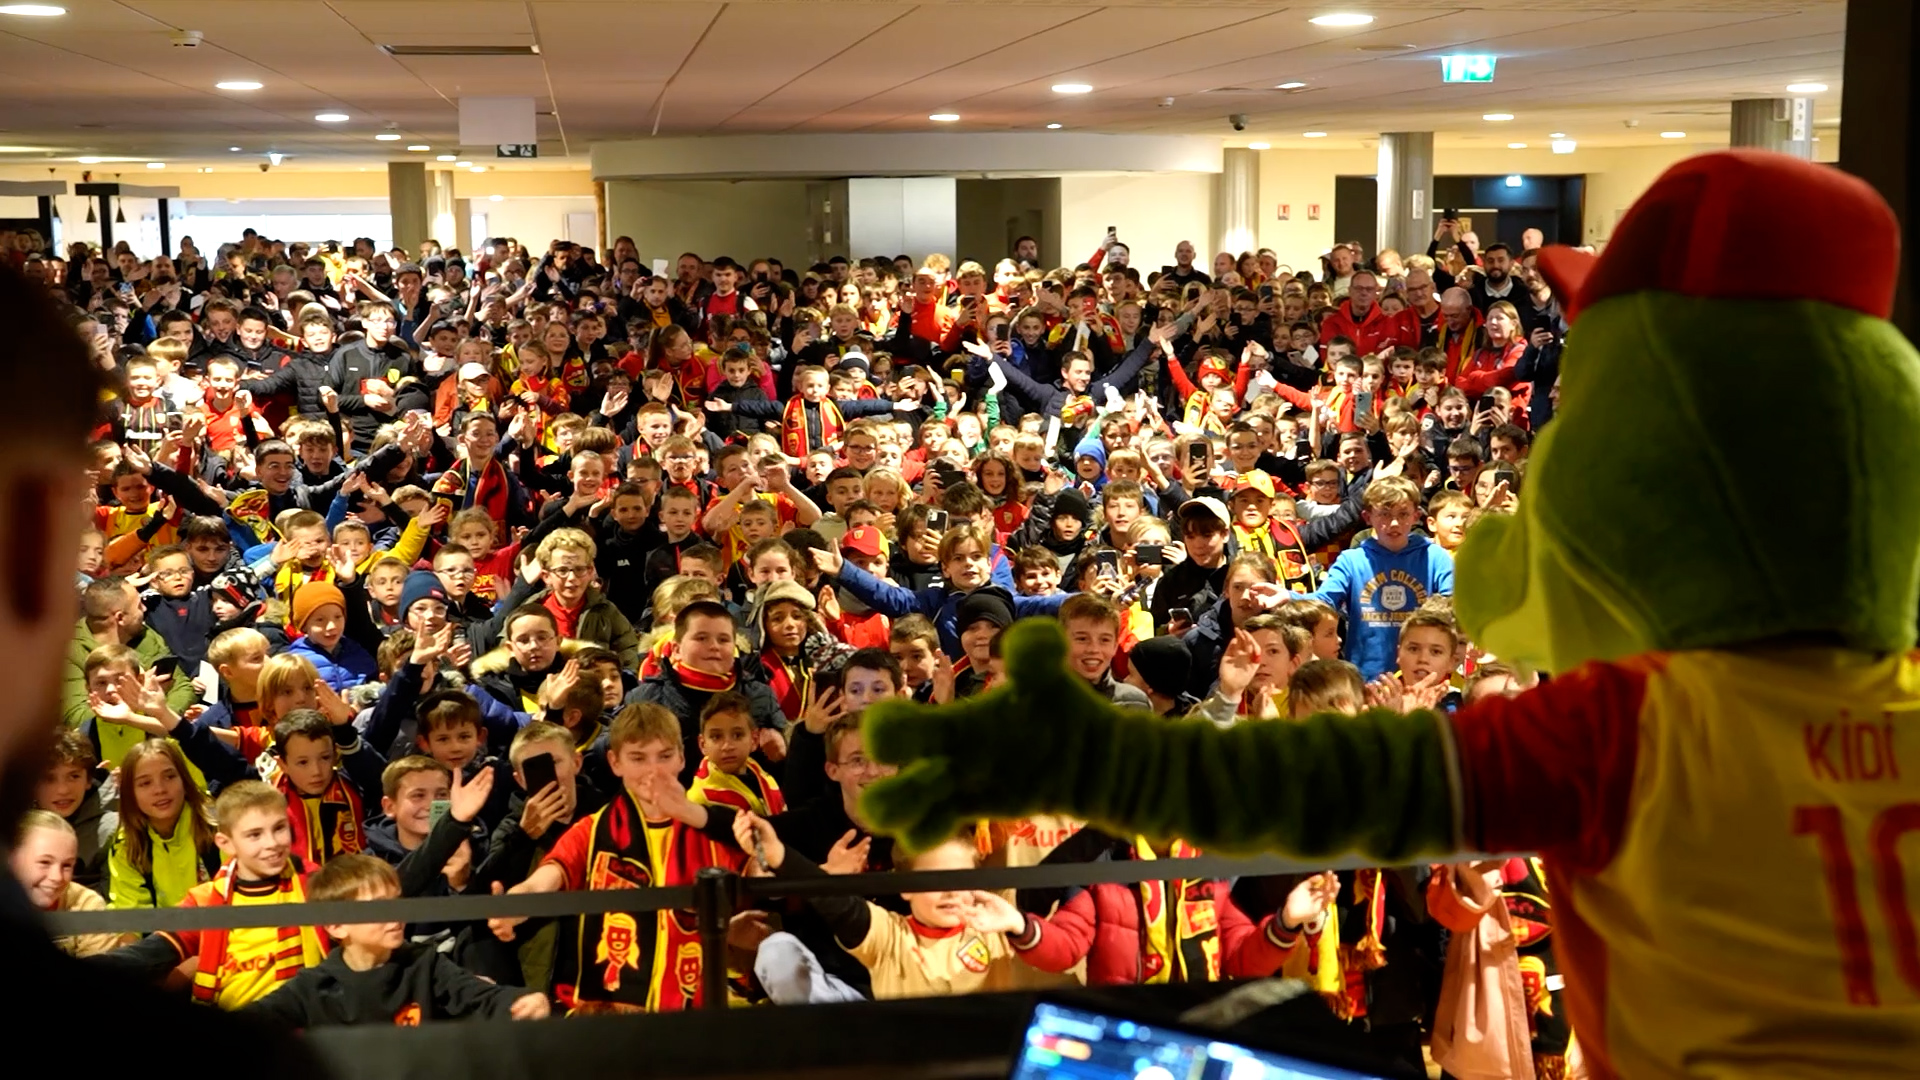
(1063, 1041)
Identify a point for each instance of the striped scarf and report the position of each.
(1178, 923)
(601, 967)
(491, 493)
(796, 440)
(326, 824)
(792, 683)
(704, 681)
(287, 963)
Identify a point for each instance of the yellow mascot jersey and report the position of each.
(1733, 843)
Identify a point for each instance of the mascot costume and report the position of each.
(1718, 557)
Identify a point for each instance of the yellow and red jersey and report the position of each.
(1729, 842)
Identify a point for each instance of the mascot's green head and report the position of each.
(1733, 456)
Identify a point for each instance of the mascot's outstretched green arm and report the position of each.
(1383, 784)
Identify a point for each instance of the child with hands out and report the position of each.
(953, 942)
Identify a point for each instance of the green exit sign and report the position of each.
(1467, 68)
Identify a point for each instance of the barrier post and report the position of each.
(714, 889)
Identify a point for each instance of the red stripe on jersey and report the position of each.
(1552, 770)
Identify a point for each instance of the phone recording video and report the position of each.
(539, 771)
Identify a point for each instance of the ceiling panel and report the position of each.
(106, 80)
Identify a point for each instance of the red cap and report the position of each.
(1712, 226)
(862, 540)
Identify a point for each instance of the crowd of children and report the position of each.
(411, 576)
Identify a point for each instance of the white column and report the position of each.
(1405, 184)
(1236, 202)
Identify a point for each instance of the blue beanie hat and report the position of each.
(421, 585)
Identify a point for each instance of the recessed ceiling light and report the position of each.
(1556, 134)
(1290, 86)
(37, 11)
(156, 164)
(1313, 134)
(1673, 134)
(944, 117)
(463, 164)
(234, 149)
(419, 148)
(88, 160)
(1053, 127)
(495, 198)
(1496, 117)
(1806, 87)
(1341, 18)
(1259, 146)
(1563, 146)
(387, 136)
(440, 157)
(1516, 146)
(479, 168)
(237, 84)
(331, 117)
(1072, 88)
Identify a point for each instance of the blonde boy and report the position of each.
(239, 967)
(650, 834)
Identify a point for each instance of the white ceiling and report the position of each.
(105, 80)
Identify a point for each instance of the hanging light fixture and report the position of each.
(119, 212)
(92, 218)
(53, 208)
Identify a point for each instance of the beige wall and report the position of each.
(1155, 211)
(1615, 178)
(746, 220)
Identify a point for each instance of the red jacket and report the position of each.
(1374, 331)
(1102, 924)
(1491, 367)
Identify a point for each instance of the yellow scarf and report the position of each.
(1181, 930)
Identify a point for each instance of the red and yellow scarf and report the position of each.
(791, 683)
(794, 438)
(1365, 952)
(706, 682)
(1179, 928)
(1459, 348)
(213, 944)
(491, 494)
(753, 789)
(1280, 542)
(600, 968)
(327, 824)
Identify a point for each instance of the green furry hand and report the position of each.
(1014, 750)
(1045, 741)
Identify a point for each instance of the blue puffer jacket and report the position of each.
(348, 665)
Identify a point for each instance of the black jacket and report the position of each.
(665, 688)
(810, 831)
(415, 985)
(355, 363)
(301, 375)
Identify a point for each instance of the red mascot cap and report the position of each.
(1711, 227)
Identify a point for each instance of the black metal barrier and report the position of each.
(714, 898)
